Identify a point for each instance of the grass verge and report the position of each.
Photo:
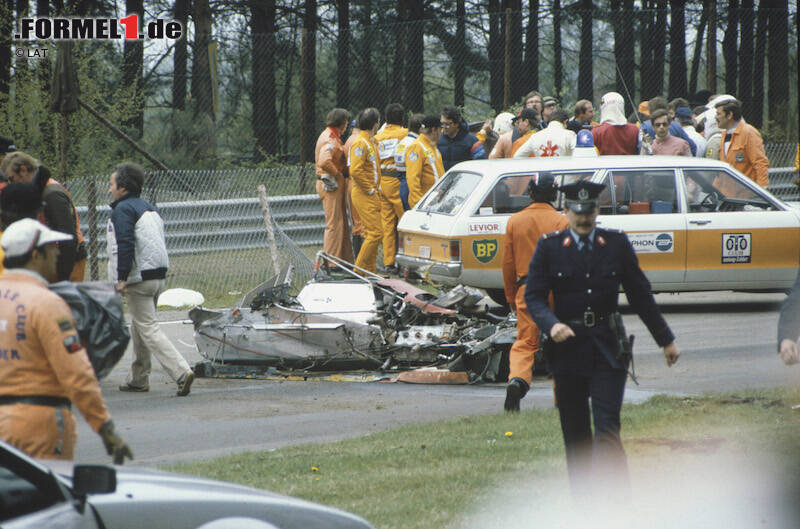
(429, 475)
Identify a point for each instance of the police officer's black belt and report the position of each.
(37, 400)
(590, 319)
(521, 281)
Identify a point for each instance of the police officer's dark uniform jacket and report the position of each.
(585, 295)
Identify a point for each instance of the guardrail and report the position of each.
(234, 224)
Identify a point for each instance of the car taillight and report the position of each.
(455, 250)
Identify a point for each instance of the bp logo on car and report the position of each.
(484, 250)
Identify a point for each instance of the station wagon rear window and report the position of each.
(450, 193)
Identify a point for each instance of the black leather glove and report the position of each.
(116, 447)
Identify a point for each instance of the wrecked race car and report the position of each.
(346, 319)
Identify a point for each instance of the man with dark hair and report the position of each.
(582, 268)
(685, 118)
(44, 369)
(742, 146)
(424, 165)
(59, 212)
(391, 206)
(523, 231)
(526, 123)
(414, 125)
(659, 103)
(583, 116)
(456, 143)
(365, 171)
(664, 143)
(555, 140)
(138, 264)
(330, 166)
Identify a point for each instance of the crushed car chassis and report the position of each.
(348, 319)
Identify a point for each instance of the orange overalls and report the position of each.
(330, 159)
(522, 233)
(424, 167)
(746, 154)
(391, 205)
(43, 367)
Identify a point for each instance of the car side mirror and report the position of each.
(93, 479)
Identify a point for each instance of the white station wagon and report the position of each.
(696, 224)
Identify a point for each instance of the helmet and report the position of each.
(584, 139)
(502, 123)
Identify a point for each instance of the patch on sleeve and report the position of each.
(72, 343)
(65, 324)
(413, 156)
(359, 152)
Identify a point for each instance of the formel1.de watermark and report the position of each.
(128, 28)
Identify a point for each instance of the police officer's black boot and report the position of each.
(516, 389)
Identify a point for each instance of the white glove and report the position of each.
(371, 192)
(329, 183)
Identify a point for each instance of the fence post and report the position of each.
(94, 272)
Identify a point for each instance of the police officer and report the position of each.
(583, 267)
(523, 231)
(43, 366)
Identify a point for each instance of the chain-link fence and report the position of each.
(215, 224)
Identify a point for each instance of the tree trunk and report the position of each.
(531, 67)
(415, 56)
(757, 117)
(6, 33)
(558, 74)
(263, 93)
(459, 66)
(745, 92)
(585, 66)
(496, 60)
(396, 87)
(624, 53)
(202, 92)
(370, 87)
(181, 57)
(711, 46)
(660, 46)
(646, 44)
(698, 49)
(308, 82)
(514, 17)
(132, 64)
(778, 57)
(677, 50)
(729, 47)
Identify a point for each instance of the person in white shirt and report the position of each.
(555, 140)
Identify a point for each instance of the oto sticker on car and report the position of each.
(736, 247)
(484, 250)
(652, 242)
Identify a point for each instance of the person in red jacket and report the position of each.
(523, 231)
(615, 135)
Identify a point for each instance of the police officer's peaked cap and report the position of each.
(582, 196)
(431, 122)
(6, 145)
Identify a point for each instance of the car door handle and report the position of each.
(700, 222)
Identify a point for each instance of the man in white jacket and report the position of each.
(138, 264)
(555, 140)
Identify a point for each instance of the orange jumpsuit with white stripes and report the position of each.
(522, 233)
(424, 167)
(365, 172)
(391, 206)
(42, 359)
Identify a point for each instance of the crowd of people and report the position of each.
(393, 162)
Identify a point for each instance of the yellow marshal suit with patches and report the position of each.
(424, 167)
(388, 141)
(365, 171)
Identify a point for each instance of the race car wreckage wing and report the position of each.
(346, 318)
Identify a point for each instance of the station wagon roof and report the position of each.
(567, 163)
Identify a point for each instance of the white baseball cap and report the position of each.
(24, 235)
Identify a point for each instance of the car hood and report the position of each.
(152, 498)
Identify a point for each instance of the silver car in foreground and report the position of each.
(37, 494)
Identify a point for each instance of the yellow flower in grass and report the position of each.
(509, 434)
(314, 468)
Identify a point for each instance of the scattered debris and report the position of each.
(346, 318)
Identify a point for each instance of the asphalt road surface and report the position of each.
(727, 341)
